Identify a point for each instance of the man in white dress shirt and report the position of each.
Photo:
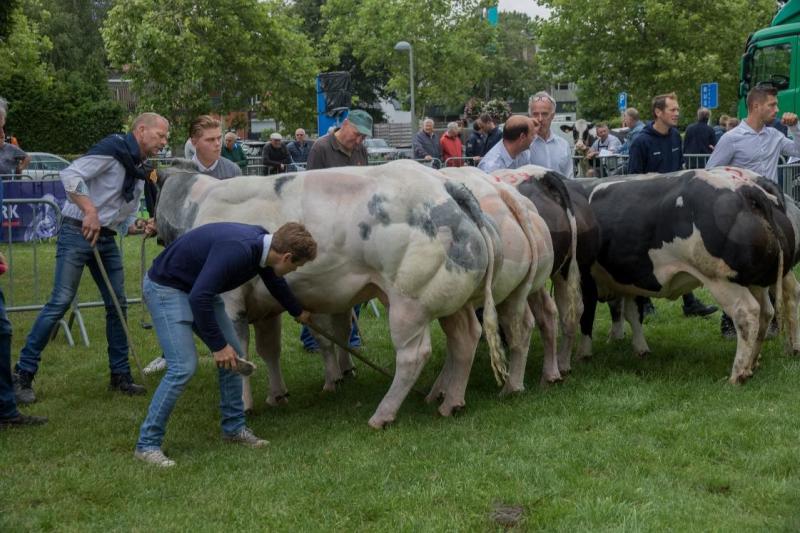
(103, 189)
(548, 150)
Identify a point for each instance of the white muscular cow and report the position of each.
(422, 246)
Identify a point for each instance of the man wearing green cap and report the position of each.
(345, 146)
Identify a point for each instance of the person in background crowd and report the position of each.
(188, 149)
(720, 128)
(630, 119)
(12, 159)
(658, 149)
(206, 137)
(275, 157)
(343, 147)
(103, 191)
(182, 291)
(450, 141)
(299, 147)
(547, 149)
(232, 151)
(512, 151)
(474, 146)
(426, 144)
(699, 139)
(9, 414)
(731, 124)
(754, 146)
(491, 132)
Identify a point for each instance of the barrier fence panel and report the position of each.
(695, 160)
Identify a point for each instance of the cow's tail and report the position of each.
(491, 329)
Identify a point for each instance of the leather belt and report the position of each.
(104, 232)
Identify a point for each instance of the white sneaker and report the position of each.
(247, 438)
(159, 364)
(154, 457)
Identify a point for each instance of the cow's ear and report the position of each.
(590, 126)
(566, 128)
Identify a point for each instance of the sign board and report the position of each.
(709, 95)
(622, 101)
(30, 221)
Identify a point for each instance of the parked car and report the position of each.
(379, 150)
(44, 166)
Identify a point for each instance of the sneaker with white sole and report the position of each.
(246, 438)
(159, 364)
(154, 457)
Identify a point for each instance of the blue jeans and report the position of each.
(73, 252)
(174, 324)
(310, 343)
(8, 402)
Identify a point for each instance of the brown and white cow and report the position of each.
(664, 235)
(419, 244)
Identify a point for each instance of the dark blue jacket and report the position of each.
(213, 259)
(653, 152)
(492, 138)
(699, 139)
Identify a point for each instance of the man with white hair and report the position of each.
(232, 151)
(425, 143)
(299, 147)
(548, 150)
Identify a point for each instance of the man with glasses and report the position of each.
(548, 150)
(754, 146)
(299, 148)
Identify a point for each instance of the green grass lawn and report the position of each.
(623, 444)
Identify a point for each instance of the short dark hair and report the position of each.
(759, 94)
(485, 118)
(601, 125)
(293, 237)
(703, 114)
(660, 102)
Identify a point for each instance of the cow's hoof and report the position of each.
(551, 380)
(616, 334)
(434, 396)
(350, 373)
(739, 379)
(642, 354)
(794, 352)
(330, 387)
(377, 422)
(508, 390)
(277, 401)
(450, 409)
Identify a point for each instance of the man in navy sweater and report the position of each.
(658, 149)
(182, 291)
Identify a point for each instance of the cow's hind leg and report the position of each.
(589, 293)
(544, 310)
(744, 310)
(463, 332)
(569, 324)
(517, 321)
(791, 301)
(268, 346)
(338, 326)
(766, 312)
(408, 323)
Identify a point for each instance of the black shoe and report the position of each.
(124, 383)
(23, 420)
(23, 387)
(727, 328)
(698, 308)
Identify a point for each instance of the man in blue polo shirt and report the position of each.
(182, 291)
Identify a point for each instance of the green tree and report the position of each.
(444, 34)
(647, 48)
(188, 57)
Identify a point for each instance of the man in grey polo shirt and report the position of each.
(548, 150)
(343, 147)
(754, 146)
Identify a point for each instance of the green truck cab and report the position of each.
(772, 56)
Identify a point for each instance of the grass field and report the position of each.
(623, 444)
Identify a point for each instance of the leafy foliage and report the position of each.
(649, 47)
(189, 57)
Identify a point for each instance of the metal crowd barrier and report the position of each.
(39, 300)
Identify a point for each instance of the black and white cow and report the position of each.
(664, 235)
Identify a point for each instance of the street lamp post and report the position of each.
(403, 46)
